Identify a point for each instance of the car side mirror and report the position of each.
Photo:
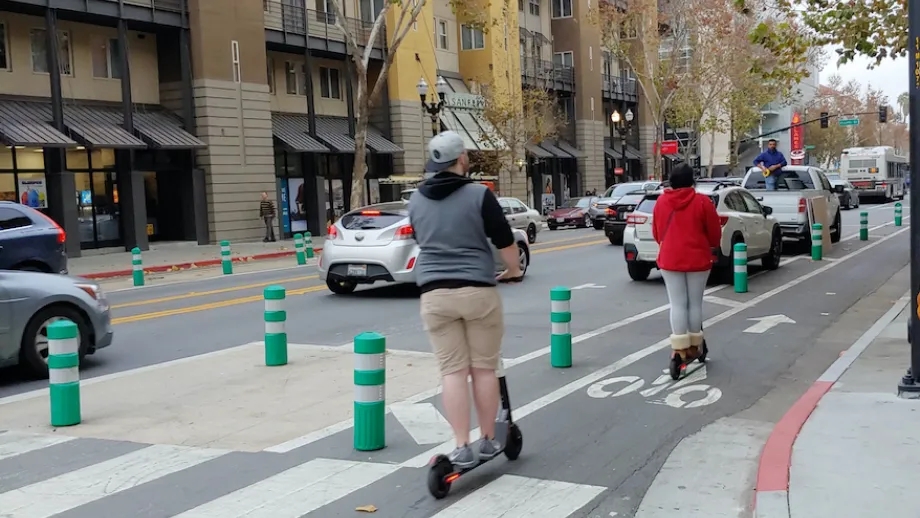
(767, 210)
(839, 189)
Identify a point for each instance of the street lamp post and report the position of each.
(433, 109)
(623, 128)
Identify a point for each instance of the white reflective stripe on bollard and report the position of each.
(274, 328)
(740, 268)
(369, 393)
(68, 375)
(560, 328)
(66, 346)
(559, 306)
(741, 255)
(274, 304)
(370, 362)
(225, 249)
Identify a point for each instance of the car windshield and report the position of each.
(581, 203)
(630, 199)
(622, 189)
(648, 204)
(375, 217)
(833, 177)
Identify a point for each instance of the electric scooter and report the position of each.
(681, 359)
(442, 473)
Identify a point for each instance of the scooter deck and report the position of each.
(502, 429)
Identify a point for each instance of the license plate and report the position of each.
(560, 220)
(357, 270)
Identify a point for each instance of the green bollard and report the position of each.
(741, 268)
(308, 244)
(817, 242)
(276, 352)
(298, 247)
(560, 317)
(64, 373)
(863, 226)
(370, 400)
(898, 214)
(137, 267)
(226, 261)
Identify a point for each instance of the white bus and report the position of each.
(875, 172)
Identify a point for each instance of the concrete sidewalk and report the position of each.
(846, 447)
(166, 257)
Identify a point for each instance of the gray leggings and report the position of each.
(685, 293)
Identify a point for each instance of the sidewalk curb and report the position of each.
(191, 264)
(771, 491)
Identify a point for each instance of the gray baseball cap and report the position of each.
(443, 151)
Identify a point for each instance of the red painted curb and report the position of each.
(191, 264)
(776, 457)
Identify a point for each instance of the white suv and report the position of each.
(744, 220)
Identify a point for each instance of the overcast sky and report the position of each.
(891, 76)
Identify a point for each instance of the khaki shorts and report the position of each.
(465, 327)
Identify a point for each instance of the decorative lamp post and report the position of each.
(520, 163)
(621, 126)
(433, 109)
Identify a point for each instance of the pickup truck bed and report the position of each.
(795, 185)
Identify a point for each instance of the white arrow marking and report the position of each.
(764, 324)
(589, 286)
(423, 422)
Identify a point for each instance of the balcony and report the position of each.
(159, 12)
(619, 87)
(773, 108)
(287, 22)
(541, 73)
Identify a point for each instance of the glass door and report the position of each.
(98, 209)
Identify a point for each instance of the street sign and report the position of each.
(797, 154)
(810, 146)
(849, 122)
(669, 147)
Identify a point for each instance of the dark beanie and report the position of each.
(682, 176)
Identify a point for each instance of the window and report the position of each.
(4, 48)
(40, 52)
(471, 39)
(329, 86)
(564, 59)
(270, 74)
(106, 59)
(562, 8)
(523, 45)
(325, 13)
(534, 6)
(505, 205)
(517, 206)
(290, 78)
(441, 36)
(521, 5)
(235, 56)
(370, 9)
(608, 63)
(302, 81)
(537, 48)
(12, 218)
(750, 203)
(735, 202)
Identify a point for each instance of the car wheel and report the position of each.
(33, 351)
(531, 233)
(551, 227)
(341, 287)
(837, 229)
(523, 258)
(848, 203)
(773, 258)
(638, 271)
(587, 222)
(598, 225)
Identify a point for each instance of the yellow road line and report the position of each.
(191, 294)
(258, 298)
(555, 241)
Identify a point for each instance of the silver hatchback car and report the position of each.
(30, 301)
(376, 244)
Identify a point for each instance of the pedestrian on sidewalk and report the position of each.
(686, 226)
(267, 213)
(454, 219)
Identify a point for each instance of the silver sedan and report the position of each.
(30, 301)
(522, 217)
(376, 244)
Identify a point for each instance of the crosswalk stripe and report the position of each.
(512, 495)
(16, 443)
(295, 492)
(76, 488)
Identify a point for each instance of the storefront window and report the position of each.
(7, 187)
(78, 158)
(98, 212)
(6, 157)
(30, 158)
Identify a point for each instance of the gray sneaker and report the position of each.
(463, 457)
(488, 449)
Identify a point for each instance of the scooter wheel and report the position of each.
(515, 442)
(674, 366)
(438, 485)
(703, 352)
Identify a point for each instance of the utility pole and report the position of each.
(910, 383)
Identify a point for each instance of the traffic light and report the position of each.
(823, 119)
(883, 114)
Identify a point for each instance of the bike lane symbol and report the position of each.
(676, 391)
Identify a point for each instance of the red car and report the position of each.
(573, 213)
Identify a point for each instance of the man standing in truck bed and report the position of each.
(771, 162)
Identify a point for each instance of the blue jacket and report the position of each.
(771, 158)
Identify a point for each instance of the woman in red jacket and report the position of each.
(687, 228)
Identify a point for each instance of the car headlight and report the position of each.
(93, 290)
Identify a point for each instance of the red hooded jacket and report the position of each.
(686, 226)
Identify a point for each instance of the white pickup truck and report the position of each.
(795, 184)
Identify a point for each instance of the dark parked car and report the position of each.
(573, 213)
(615, 223)
(30, 241)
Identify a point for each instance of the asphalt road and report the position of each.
(599, 442)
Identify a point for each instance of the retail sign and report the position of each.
(797, 139)
(669, 147)
(465, 101)
(618, 171)
(33, 193)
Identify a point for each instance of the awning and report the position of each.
(292, 131)
(631, 153)
(400, 180)
(451, 123)
(570, 149)
(558, 153)
(537, 151)
(95, 129)
(540, 37)
(525, 33)
(26, 124)
(379, 144)
(163, 131)
(677, 157)
(334, 132)
(470, 124)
